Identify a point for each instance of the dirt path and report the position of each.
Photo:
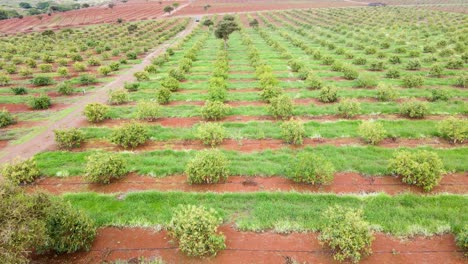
(248, 247)
(344, 182)
(45, 139)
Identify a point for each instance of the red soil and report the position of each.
(3, 143)
(248, 247)
(16, 108)
(345, 182)
(133, 10)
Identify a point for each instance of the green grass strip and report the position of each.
(367, 160)
(402, 215)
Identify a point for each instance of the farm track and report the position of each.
(344, 182)
(248, 247)
(46, 138)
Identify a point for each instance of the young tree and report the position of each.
(168, 9)
(175, 5)
(225, 28)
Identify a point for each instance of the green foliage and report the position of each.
(293, 131)
(455, 64)
(130, 135)
(42, 81)
(163, 95)
(141, 76)
(313, 81)
(4, 79)
(413, 65)
(311, 169)
(104, 70)
(366, 81)
(462, 239)
(79, 67)
(225, 28)
(414, 109)
(170, 83)
(211, 133)
(148, 110)
(19, 90)
(118, 97)
(386, 92)
(177, 74)
(440, 95)
(132, 87)
(6, 118)
(21, 172)
(376, 65)
(421, 168)
(269, 93)
(87, 79)
(281, 107)
(328, 94)
(350, 73)
(461, 81)
(96, 112)
(69, 138)
(393, 73)
(68, 230)
(40, 102)
(346, 232)
(372, 132)
(195, 228)
(454, 129)
(65, 88)
(102, 167)
(413, 81)
(348, 108)
(217, 93)
(208, 166)
(63, 71)
(436, 70)
(215, 110)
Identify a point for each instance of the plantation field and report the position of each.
(302, 125)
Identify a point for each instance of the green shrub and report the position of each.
(93, 62)
(96, 112)
(414, 109)
(348, 108)
(79, 67)
(270, 92)
(281, 107)
(208, 166)
(4, 79)
(102, 167)
(63, 71)
(40, 102)
(455, 64)
(65, 88)
(393, 73)
(440, 95)
(151, 69)
(87, 79)
(104, 70)
(311, 169)
(21, 172)
(130, 135)
(195, 228)
(359, 61)
(69, 138)
(413, 65)
(350, 73)
(421, 168)
(6, 118)
(148, 110)
(386, 92)
(19, 90)
(68, 230)
(372, 132)
(328, 94)
(211, 133)
(454, 129)
(141, 76)
(376, 65)
(293, 131)
(215, 110)
(462, 80)
(170, 83)
(366, 81)
(114, 66)
(163, 95)
(118, 97)
(216, 93)
(436, 70)
(45, 67)
(42, 81)
(295, 65)
(462, 239)
(132, 87)
(413, 81)
(346, 232)
(267, 79)
(177, 74)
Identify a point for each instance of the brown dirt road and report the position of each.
(45, 139)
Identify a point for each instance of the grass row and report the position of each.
(367, 160)
(402, 215)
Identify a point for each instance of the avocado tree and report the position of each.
(168, 9)
(225, 28)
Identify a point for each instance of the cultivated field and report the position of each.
(308, 127)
